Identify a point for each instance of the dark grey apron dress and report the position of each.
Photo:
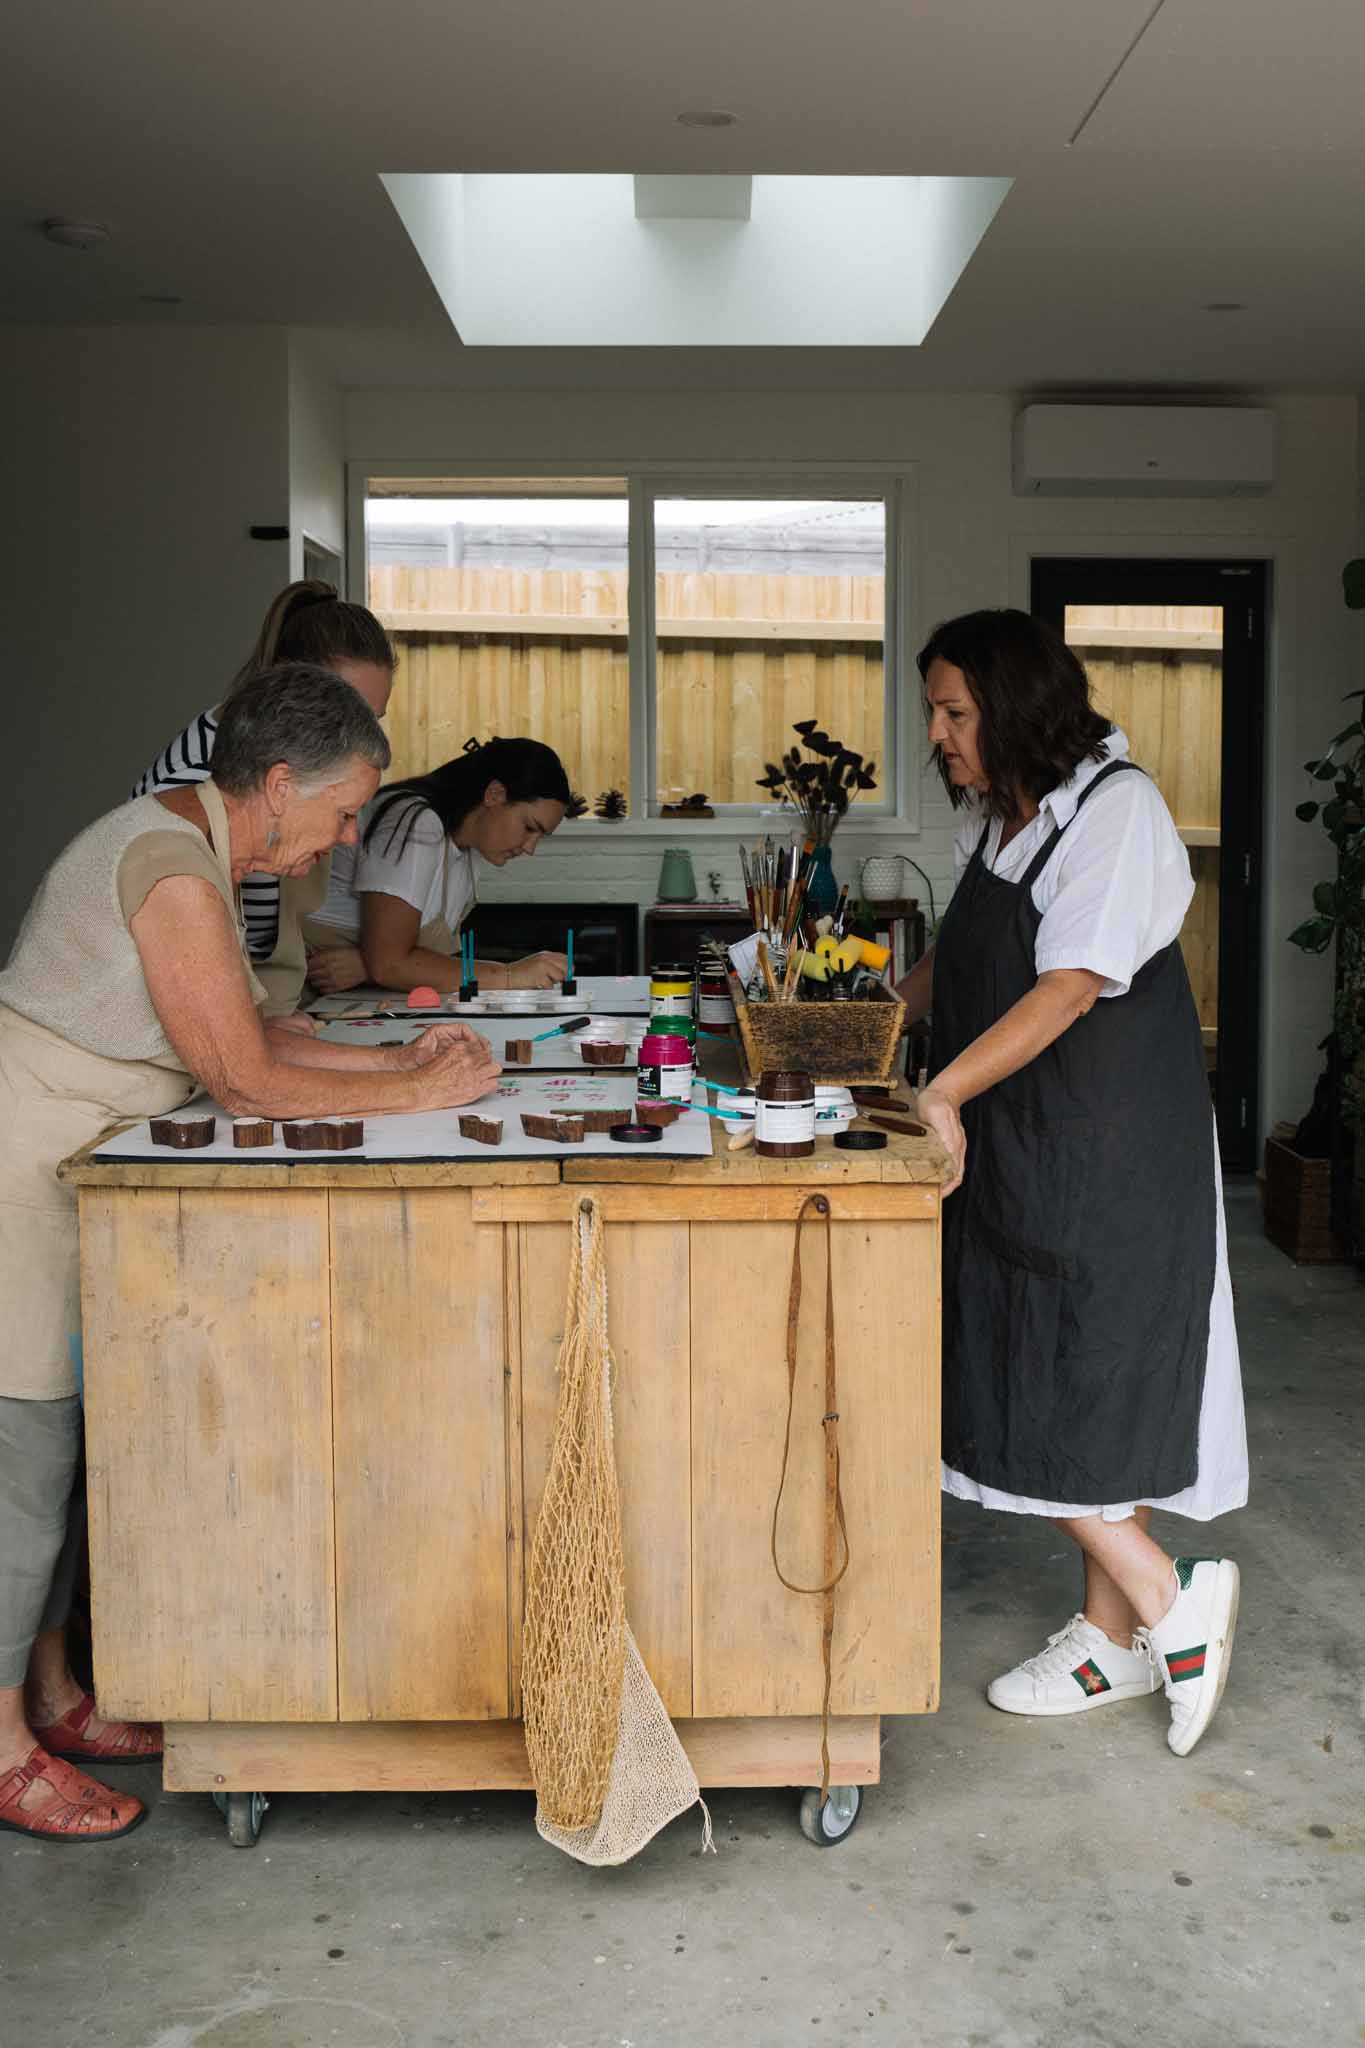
(1078, 1255)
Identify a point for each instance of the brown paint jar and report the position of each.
(784, 1124)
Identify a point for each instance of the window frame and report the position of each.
(894, 483)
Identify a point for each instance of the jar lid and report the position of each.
(786, 1081)
(670, 1051)
(636, 1134)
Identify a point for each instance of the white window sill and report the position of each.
(737, 825)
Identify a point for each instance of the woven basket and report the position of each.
(1298, 1204)
(831, 1041)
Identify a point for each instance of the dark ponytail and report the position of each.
(309, 622)
(528, 771)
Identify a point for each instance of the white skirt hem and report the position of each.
(1221, 1483)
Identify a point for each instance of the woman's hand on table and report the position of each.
(333, 969)
(436, 1039)
(450, 1064)
(538, 970)
(939, 1112)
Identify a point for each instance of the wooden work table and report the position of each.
(319, 1402)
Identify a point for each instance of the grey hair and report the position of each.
(299, 714)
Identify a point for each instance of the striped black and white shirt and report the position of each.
(189, 758)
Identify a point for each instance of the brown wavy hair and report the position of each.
(1037, 721)
(309, 622)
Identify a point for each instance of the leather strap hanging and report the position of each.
(836, 1528)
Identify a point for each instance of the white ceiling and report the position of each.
(235, 154)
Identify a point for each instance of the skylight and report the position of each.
(606, 260)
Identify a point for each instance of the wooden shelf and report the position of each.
(1200, 835)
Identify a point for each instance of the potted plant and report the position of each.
(821, 787)
(1338, 920)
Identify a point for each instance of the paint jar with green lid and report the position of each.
(680, 1027)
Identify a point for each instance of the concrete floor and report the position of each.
(1011, 1884)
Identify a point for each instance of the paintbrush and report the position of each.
(766, 969)
(573, 1024)
(899, 1123)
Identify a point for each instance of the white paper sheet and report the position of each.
(552, 1055)
(608, 995)
(435, 1134)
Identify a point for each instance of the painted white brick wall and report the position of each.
(625, 868)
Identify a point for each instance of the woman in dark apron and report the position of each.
(1090, 1354)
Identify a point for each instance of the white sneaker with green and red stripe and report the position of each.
(1192, 1644)
(1080, 1668)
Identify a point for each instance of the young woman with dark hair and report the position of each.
(307, 622)
(1090, 1356)
(401, 894)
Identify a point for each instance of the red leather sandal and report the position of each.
(75, 1809)
(125, 1742)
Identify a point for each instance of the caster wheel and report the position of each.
(835, 1820)
(245, 1812)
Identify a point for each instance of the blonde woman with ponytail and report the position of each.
(307, 622)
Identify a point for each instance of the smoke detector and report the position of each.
(76, 234)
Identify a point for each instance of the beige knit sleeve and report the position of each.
(153, 856)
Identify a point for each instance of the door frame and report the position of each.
(1241, 585)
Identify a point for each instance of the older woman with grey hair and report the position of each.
(129, 988)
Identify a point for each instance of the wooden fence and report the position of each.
(1157, 671)
(740, 658)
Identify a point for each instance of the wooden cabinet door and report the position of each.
(648, 1314)
(756, 1644)
(418, 1361)
(208, 1409)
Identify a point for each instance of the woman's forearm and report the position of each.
(414, 967)
(1052, 1006)
(917, 989)
(197, 984)
(297, 1050)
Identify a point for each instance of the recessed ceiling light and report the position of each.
(707, 117)
(1226, 306)
(76, 234)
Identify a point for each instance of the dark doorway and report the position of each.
(1176, 655)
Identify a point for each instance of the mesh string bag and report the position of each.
(609, 1769)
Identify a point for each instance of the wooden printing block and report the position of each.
(182, 1133)
(249, 1132)
(662, 1113)
(602, 1052)
(519, 1051)
(600, 1121)
(562, 1130)
(484, 1130)
(323, 1134)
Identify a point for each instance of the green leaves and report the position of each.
(1314, 935)
(1307, 812)
(822, 787)
(1353, 584)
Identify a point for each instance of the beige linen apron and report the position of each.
(284, 973)
(54, 1098)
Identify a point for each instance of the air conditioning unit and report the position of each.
(1128, 451)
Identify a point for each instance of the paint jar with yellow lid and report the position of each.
(670, 990)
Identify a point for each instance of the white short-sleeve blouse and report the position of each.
(1118, 885)
(425, 870)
